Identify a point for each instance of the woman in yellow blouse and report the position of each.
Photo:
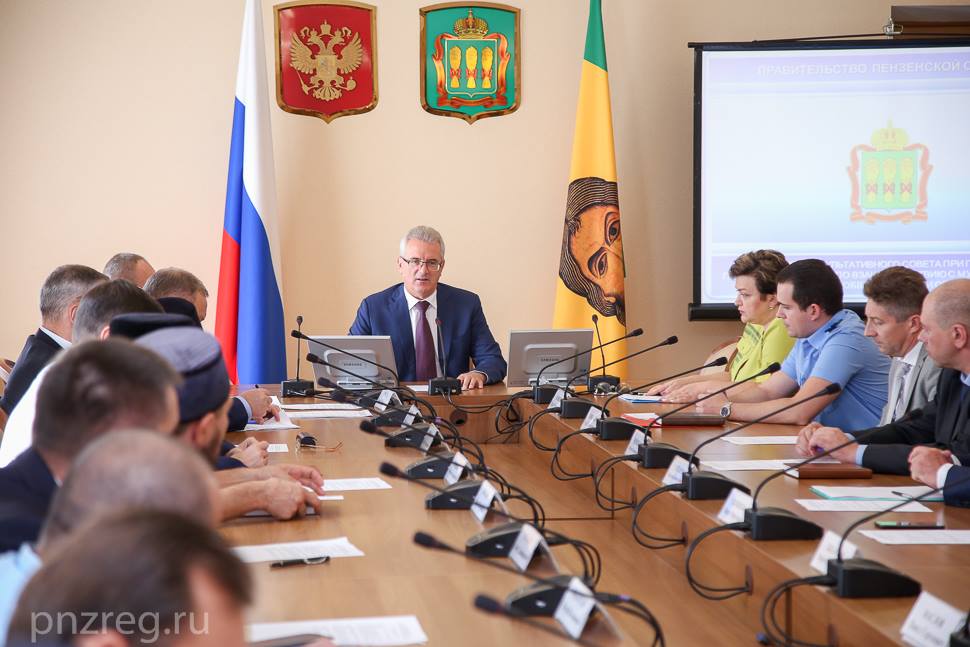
(764, 339)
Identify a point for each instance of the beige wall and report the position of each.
(114, 130)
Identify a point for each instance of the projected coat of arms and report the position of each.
(470, 60)
(889, 178)
(326, 58)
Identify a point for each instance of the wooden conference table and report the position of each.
(397, 577)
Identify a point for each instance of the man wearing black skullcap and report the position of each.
(203, 407)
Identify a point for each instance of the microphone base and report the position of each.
(430, 467)
(497, 541)
(392, 418)
(457, 496)
(771, 524)
(610, 381)
(411, 438)
(297, 389)
(865, 578)
(543, 393)
(574, 408)
(660, 455)
(615, 429)
(540, 598)
(700, 486)
(959, 639)
(444, 386)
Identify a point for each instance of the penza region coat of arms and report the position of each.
(326, 58)
(470, 59)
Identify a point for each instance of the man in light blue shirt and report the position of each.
(831, 349)
(170, 476)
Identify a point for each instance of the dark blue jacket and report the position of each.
(464, 331)
(26, 489)
(38, 351)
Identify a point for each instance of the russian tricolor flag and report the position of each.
(249, 314)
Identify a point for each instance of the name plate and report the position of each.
(589, 422)
(429, 437)
(557, 398)
(386, 397)
(828, 549)
(734, 506)
(675, 473)
(637, 440)
(457, 467)
(483, 500)
(524, 548)
(930, 622)
(574, 608)
(413, 412)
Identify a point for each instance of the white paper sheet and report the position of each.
(839, 505)
(417, 388)
(874, 493)
(760, 440)
(338, 413)
(386, 631)
(751, 465)
(273, 425)
(278, 448)
(337, 547)
(321, 406)
(912, 537)
(639, 399)
(346, 485)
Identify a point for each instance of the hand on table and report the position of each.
(250, 452)
(286, 499)
(261, 404)
(825, 438)
(472, 380)
(925, 462)
(302, 474)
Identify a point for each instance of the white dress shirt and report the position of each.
(431, 314)
(63, 343)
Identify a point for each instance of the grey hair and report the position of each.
(175, 282)
(64, 287)
(425, 234)
(121, 265)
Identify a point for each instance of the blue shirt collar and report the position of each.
(817, 338)
(965, 378)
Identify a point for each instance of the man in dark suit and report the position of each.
(410, 312)
(59, 299)
(943, 425)
(97, 387)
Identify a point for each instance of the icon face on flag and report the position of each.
(326, 58)
(591, 263)
(470, 60)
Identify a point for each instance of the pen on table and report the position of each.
(305, 561)
(901, 495)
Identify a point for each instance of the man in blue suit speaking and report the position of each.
(418, 311)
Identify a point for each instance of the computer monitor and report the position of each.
(532, 350)
(376, 349)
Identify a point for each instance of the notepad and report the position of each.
(921, 537)
(337, 547)
(875, 493)
(840, 505)
(383, 631)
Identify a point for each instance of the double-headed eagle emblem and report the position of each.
(328, 70)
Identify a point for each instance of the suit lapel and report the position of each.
(401, 330)
(917, 369)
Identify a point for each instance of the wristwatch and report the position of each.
(726, 410)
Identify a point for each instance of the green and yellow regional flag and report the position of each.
(591, 269)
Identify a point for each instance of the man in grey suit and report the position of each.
(893, 321)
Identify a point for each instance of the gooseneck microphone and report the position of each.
(766, 524)
(443, 385)
(593, 383)
(667, 342)
(711, 485)
(866, 578)
(397, 380)
(559, 584)
(493, 607)
(297, 387)
(542, 395)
